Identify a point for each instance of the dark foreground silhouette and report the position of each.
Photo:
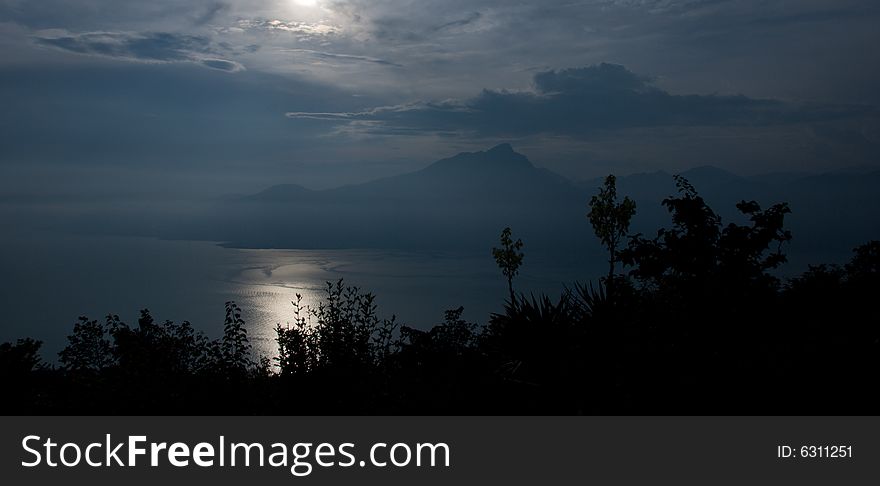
(697, 324)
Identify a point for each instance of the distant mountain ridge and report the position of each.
(469, 172)
(491, 175)
(280, 193)
(463, 201)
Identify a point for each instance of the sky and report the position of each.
(200, 98)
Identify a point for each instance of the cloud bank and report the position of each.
(580, 101)
(157, 47)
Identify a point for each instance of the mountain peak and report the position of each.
(502, 148)
(499, 159)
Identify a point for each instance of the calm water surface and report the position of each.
(49, 280)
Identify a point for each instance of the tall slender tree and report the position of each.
(509, 258)
(610, 220)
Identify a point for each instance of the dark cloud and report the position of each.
(222, 65)
(580, 101)
(602, 79)
(145, 47)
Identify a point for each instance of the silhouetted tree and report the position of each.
(698, 255)
(866, 262)
(297, 345)
(88, 349)
(152, 349)
(453, 337)
(509, 258)
(19, 359)
(235, 349)
(19, 364)
(610, 220)
(343, 334)
(441, 369)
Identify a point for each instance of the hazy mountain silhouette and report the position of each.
(454, 203)
(281, 193)
(496, 175)
(461, 202)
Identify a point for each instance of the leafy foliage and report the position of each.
(88, 349)
(342, 334)
(610, 219)
(509, 258)
(699, 255)
(234, 353)
(19, 359)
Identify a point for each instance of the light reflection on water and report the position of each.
(416, 286)
(49, 281)
(267, 305)
(266, 282)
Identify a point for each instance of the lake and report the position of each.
(50, 279)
